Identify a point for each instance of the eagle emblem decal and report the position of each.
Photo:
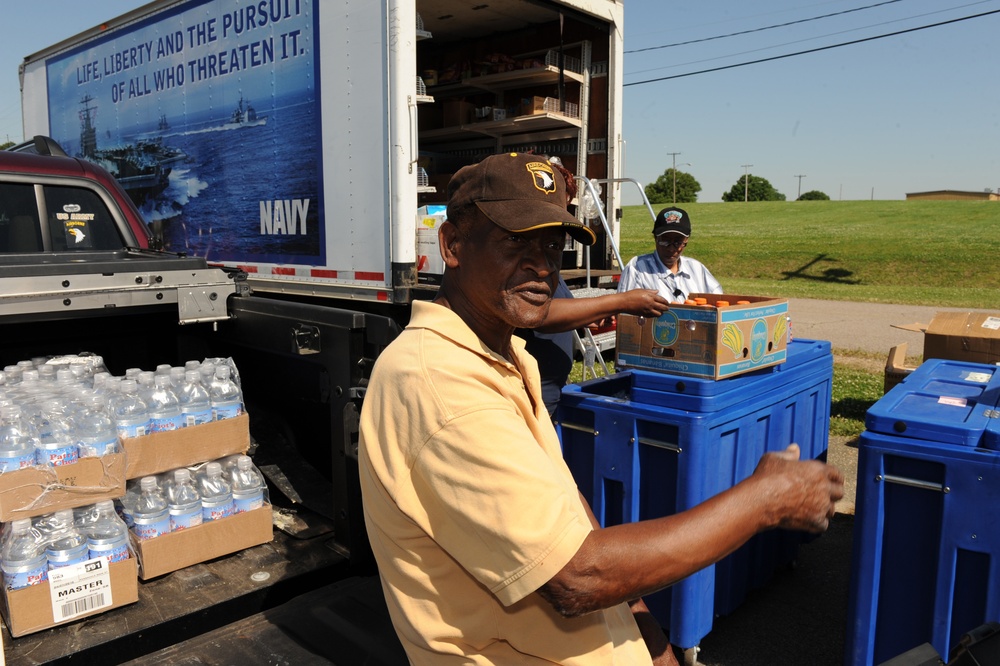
(543, 176)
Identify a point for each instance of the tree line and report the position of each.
(681, 187)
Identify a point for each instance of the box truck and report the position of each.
(291, 158)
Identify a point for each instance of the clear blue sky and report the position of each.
(908, 113)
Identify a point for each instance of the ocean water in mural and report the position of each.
(212, 128)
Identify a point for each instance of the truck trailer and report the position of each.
(291, 160)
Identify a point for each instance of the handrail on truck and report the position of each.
(589, 184)
(591, 344)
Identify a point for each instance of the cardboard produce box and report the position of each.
(177, 550)
(896, 369)
(961, 336)
(33, 491)
(704, 340)
(529, 106)
(164, 451)
(81, 590)
(455, 112)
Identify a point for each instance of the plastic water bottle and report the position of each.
(196, 404)
(184, 501)
(68, 545)
(129, 501)
(107, 534)
(227, 399)
(17, 440)
(14, 374)
(216, 494)
(206, 369)
(164, 407)
(177, 378)
(32, 387)
(65, 379)
(130, 412)
(150, 517)
(248, 486)
(97, 433)
(57, 435)
(22, 556)
(47, 373)
(146, 384)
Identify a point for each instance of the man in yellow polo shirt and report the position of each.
(487, 552)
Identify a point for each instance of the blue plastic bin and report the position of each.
(925, 566)
(636, 460)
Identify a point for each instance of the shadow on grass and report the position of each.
(833, 275)
(850, 408)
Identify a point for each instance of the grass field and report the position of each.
(944, 253)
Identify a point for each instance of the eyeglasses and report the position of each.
(663, 242)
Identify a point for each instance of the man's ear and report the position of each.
(449, 239)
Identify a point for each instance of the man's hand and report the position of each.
(643, 302)
(805, 492)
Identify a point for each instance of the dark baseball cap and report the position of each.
(672, 219)
(517, 192)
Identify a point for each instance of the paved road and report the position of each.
(864, 326)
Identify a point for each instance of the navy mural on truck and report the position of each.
(208, 116)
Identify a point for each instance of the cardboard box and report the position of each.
(706, 341)
(531, 105)
(176, 550)
(896, 369)
(430, 117)
(429, 220)
(961, 336)
(34, 491)
(455, 112)
(164, 451)
(32, 609)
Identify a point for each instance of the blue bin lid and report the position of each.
(806, 358)
(991, 437)
(945, 401)
(800, 352)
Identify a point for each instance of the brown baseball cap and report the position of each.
(518, 193)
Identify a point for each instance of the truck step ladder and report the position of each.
(588, 345)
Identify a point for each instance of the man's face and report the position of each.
(507, 277)
(669, 246)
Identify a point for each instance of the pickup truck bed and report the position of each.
(137, 309)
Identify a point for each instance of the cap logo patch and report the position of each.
(543, 176)
(673, 217)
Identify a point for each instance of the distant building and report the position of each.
(953, 195)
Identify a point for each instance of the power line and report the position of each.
(815, 50)
(807, 39)
(769, 27)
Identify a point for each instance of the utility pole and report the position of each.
(800, 177)
(673, 169)
(746, 182)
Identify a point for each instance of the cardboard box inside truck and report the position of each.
(177, 550)
(33, 491)
(164, 451)
(704, 340)
(95, 588)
